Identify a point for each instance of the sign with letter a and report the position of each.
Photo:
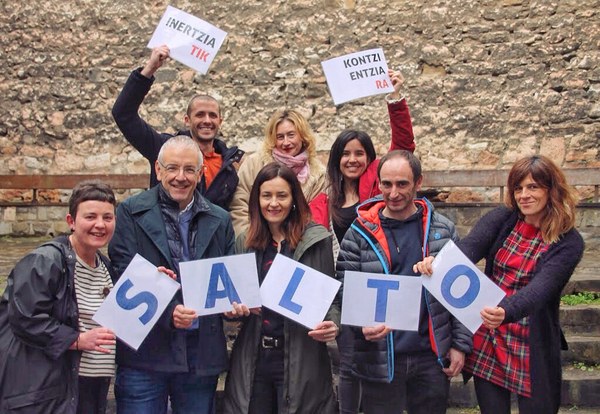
(136, 302)
(461, 287)
(373, 298)
(298, 292)
(211, 285)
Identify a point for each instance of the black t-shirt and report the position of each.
(405, 240)
(346, 216)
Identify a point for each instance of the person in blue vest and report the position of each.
(183, 355)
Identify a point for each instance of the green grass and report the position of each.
(581, 298)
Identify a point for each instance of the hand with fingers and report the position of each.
(326, 331)
(376, 333)
(239, 310)
(158, 56)
(397, 82)
(95, 340)
(183, 317)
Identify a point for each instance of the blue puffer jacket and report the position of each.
(365, 249)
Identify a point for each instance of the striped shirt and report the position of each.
(92, 284)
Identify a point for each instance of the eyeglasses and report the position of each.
(173, 169)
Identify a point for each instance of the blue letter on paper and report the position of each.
(219, 271)
(143, 297)
(382, 287)
(286, 299)
(469, 296)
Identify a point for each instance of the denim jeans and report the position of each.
(419, 385)
(139, 391)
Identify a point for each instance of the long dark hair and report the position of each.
(336, 179)
(259, 235)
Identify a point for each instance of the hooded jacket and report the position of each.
(365, 249)
(308, 381)
(38, 323)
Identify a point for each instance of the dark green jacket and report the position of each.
(308, 381)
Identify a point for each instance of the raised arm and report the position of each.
(400, 122)
(142, 136)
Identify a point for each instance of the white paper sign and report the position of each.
(461, 287)
(357, 75)
(136, 302)
(191, 40)
(298, 292)
(373, 298)
(211, 285)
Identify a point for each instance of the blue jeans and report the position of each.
(419, 385)
(139, 391)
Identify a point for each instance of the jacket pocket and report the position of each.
(34, 397)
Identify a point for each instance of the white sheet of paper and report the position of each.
(137, 300)
(461, 287)
(357, 75)
(298, 292)
(373, 298)
(191, 40)
(211, 285)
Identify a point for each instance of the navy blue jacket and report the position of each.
(148, 141)
(141, 229)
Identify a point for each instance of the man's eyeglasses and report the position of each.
(173, 169)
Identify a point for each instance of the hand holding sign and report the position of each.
(191, 40)
(357, 75)
(136, 302)
(299, 293)
(460, 286)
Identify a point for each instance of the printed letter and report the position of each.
(382, 287)
(286, 299)
(143, 297)
(219, 271)
(469, 296)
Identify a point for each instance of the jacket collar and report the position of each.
(229, 154)
(369, 220)
(151, 221)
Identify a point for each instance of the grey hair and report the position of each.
(182, 141)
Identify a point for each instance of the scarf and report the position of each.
(298, 164)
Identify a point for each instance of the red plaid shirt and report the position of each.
(501, 355)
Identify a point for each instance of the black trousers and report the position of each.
(92, 395)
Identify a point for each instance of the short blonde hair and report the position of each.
(302, 127)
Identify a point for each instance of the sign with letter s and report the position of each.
(136, 302)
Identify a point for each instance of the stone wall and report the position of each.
(488, 81)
